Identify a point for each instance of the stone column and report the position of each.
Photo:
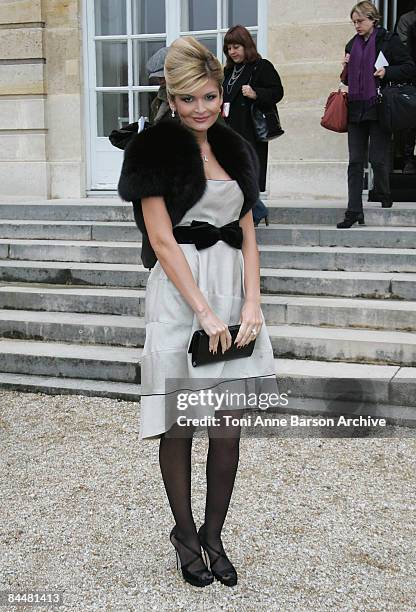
(306, 44)
(23, 166)
(41, 131)
(64, 104)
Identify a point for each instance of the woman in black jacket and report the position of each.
(364, 129)
(193, 184)
(249, 78)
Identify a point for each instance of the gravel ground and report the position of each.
(314, 523)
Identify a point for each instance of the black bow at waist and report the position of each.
(204, 235)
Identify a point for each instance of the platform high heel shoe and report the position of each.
(227, 576)
(199, 578)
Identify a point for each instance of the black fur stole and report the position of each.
(165, 160)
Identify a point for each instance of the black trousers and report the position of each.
(409, 143)
(359, 136)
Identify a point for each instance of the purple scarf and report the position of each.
(362, 85)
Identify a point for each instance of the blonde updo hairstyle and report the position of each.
(189, 65)
(366, 9)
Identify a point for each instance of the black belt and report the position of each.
(204, 235)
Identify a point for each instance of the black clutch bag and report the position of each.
(199, 347)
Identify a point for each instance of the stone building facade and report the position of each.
(49, 145)
(42, 148)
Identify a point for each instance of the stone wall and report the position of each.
(23, 167)
(306, 43)
(64, 86)
(41, 134)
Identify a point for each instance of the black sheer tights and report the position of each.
(221, 468)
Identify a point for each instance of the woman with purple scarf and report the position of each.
(364, 130)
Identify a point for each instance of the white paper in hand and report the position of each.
(140, 123)
(381, 61)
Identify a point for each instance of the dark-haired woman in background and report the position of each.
(248, 78)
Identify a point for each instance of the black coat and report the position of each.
(401, 69)
(165, 160)
(267, 84)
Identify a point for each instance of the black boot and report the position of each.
(351, 217)
(409, 166)
(266, 220)
(386, 203)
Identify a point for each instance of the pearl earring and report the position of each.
(173, 112)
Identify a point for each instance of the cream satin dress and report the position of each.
(170, 322)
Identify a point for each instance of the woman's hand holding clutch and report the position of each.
(216, 329)
(251, 319)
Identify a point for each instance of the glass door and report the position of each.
(120, 37)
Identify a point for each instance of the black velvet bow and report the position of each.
(204, 235)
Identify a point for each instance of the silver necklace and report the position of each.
(203, 155)
(234, 77)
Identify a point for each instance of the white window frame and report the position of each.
(173, 25)
(383, 6)
(172, 8)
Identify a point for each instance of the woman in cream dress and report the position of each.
(193, 288)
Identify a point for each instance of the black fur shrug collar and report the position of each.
(165, 160)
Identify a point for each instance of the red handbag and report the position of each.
(336, 112)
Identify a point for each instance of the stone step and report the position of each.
(340, 344)
(330, 212)
(327, 236)
(86, 251)
(311, 386)
(73, 273)
(87, 209)
(274, 234)
(358, 385)
(278, 310)
(81, 332)
(271, 256)
(29, 229)
(294, 341)
(338, 283)
(73, 299)
(338, 258)
(81, 328)
(273, 281)
(52, 385)
(315, 212)
(339, 312)
(65, 360)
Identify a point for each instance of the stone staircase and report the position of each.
(340, 305)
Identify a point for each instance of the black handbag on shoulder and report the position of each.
(397, 107)
(266, 123)
(201, 355)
